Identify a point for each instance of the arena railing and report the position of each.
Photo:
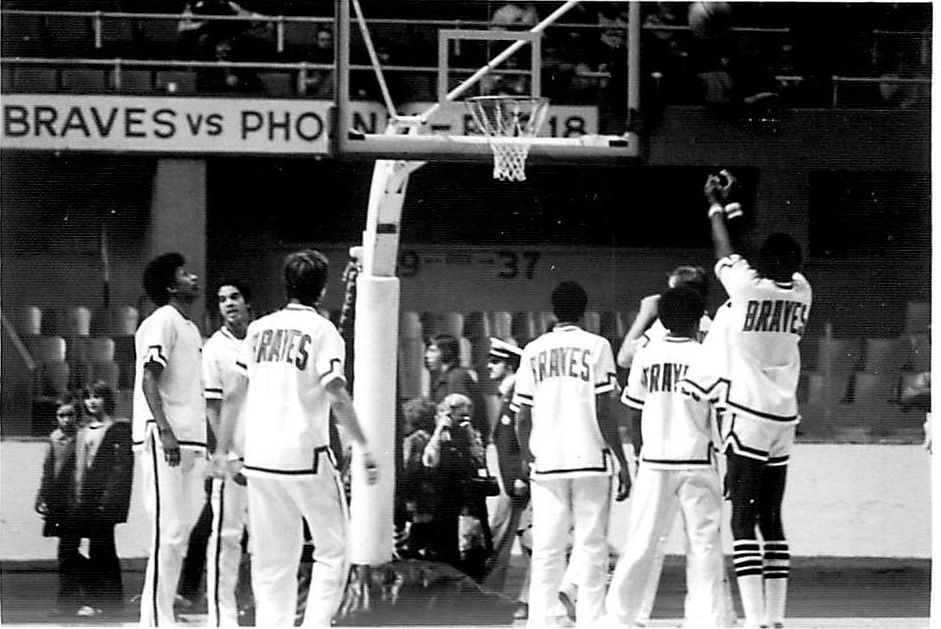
(279, 22)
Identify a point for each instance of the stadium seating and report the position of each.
(21, 35)
(875, 388)
(613, 327)
(162, 37)
(85, 80)
(278, 84)
(883, 355)
(525, 326)
(477, 324)
(28, 79)
(27, 320)
(133, 81)
(502, 324)
(117, 37)
(76, 321)
(838, 356)
(106, 370)
(592, 322)
(45, 348)
(175, 82)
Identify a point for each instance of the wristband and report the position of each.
(733, 210)
(716, 208)
(232, 456)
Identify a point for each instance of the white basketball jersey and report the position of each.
(172, 341)
(752, 360)
(676, 427)
(560, 374)
(220, 353)
(289, 357)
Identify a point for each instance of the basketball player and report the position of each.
(229, 497)
(646, 328)
(293, 361)
(647, 323)
(169, 428)
(749, 371)
(675, 470)
(567, 434)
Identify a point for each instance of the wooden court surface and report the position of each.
(824, 592)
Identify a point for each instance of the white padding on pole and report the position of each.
(374, 372)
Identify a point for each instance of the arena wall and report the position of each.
(842, 501)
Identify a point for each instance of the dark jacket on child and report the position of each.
(104, 485)
(57, 488)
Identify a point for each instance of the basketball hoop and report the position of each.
(510, 124)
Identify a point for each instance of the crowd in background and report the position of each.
(773, 53)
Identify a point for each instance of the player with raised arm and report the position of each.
(292, 363)
(169, 428)
(567, 433)
(750, 371)
(647, 326)
(229, 497)
(676, 470)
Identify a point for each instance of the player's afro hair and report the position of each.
(305, 275)
(244, 289)
(160, 275)
(780, 257)
(100, 388)
(694, 277)
(568, 301)
(680, 309)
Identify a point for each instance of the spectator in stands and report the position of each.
(516, 15)
(55, 501)
(199, 37)
(104, 468)
(227, 78)
(319, 83)
(667, 72)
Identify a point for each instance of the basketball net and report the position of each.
(510, 124)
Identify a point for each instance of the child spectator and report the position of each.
(54, 502)
(104, 468)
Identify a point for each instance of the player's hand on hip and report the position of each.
(372, 469)
(624, 483)
(171, 447)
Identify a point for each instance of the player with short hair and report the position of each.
(647, 325)
(169, 427)
(228, 496)
(676, 469)
(567, 432)
(292, 363)
(750, 371)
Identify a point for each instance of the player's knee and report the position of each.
(770, 524)
(744, 518)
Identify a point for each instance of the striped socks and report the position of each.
(748, 571)
(777, 568)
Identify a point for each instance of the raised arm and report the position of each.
(647, 314)
(721, 240)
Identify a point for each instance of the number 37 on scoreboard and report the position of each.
(504, 264)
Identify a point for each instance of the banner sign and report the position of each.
(166, 125)
(65, 122)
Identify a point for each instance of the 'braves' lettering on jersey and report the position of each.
(752, 361)
(779, 315)
(562, 362)
(173, 342)
(289, 346)
(560, 375)
(676, 428)
(664, 377)
(290, 357)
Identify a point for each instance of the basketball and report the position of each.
(709, 20)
